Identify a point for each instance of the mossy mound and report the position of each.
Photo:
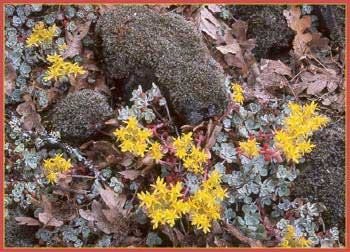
(137, 39)
(80, 114)
(322, 176)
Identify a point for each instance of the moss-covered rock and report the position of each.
(322, 176)
(136, 40)
(80, 114)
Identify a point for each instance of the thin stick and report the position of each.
(170, 120)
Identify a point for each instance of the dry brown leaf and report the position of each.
(86, 214)
(207, 22)
(47, 217)
(233, 48)
(28, 221)
(272, 76)
(299, 25)
(214, 8)
(49, 220)
(10, 79)
(74, 44)
(239, 30)
(112, 200)
(130, 174)
(108, 196)
(31, 119)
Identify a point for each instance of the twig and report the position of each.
(80, 176)
(170, 120)
(84, 192)
(250, 241)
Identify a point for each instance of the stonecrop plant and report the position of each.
(165, 204)
(41, 36)
(134, 138)
(54, 166)
(60, 68)
(168, 203)
(293, 139)
(244, 177)
(194, 159)
(291, 240)
(204, 206)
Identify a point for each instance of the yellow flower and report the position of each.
(40, 35)
(195, 160)
(156, 151)
(62, 47)
(52, 177)
(56, 165)
(293, 140)
(182, 145)
(133, 138)
(61, 68)
(290, 240)
(204, 206)
(237, 93)
(164, 205)
(249, 148)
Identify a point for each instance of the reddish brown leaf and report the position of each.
(28, 221)
(130, 174)
(74, 45)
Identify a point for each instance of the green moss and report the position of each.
(138, 39)
(80, 114)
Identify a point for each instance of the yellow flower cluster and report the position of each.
(133, 138)
(156, 151)
(293, 139)
(136, 140)
(164, 205)
(61, 68)
(249, 148)
(193, 158)
(291, 241)
(204, 206)
(56, 165)
(237, 93)
(41, 35)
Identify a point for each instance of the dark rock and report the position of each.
(331, 22)
(322, 176)
(167, 49)
(18, 235)
(80, 114)
(269, 27)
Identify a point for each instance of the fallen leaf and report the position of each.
(28, 221)
(130, 174)
(272, 76)
(31, 119)
(86, 214)
(239, 30)
(10, 79)
(112, 200)
(214, 8)
(233, 48)
(299, 25)
(74, 44)
(207, 22)
(48, 220)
